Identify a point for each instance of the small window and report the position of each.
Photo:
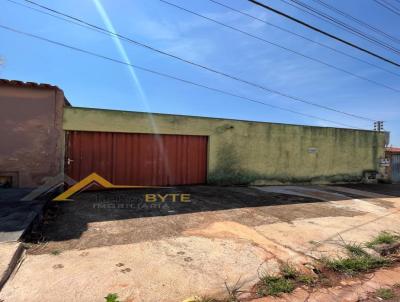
(6, 181)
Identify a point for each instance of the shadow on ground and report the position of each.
(98, 218)
(16, 215)
(386, 189)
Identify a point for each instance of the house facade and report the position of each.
(46, 136)
(31, 135)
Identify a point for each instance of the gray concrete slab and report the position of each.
(16, 215)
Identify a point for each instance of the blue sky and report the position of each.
(92, 82)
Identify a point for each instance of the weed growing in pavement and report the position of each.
(355, 249)
(286, 282)
(112, 297)
(358, 260)
(355, 264)
(233, 295)
(385, 293)
(274, 286)
(384, 237)
(55, 252)
(307, 280)
(233, 292)
(288, 271)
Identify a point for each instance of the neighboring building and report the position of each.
(136, 148)
(31, 135)
(393, 154)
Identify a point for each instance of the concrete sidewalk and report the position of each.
(225, 235)
(16, 217)
(10, 254)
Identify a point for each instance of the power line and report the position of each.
(262, 87)
(323, 32)
(253, 36)
(57, 17)
(337, 24)
(303, 37)
(388, 7)
(347, 27)
(81, 50)
(394, 7)
(233, 9)
(280, 46)
(350, 17)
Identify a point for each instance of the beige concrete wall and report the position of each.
(253, 152)
(31, 135)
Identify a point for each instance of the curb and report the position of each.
(15, 260)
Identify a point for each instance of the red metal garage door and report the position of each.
(138, 159)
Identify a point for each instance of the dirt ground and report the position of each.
(115, 242)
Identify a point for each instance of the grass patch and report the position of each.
(286, 282)
(55, 252)
(383, 238)
(353, 265)
(359, 260)
(355, 249)
(112, 297)
(288, 271)
(385, 293)
(275, 286)
(307, 280)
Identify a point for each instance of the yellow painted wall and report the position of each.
(253, 152)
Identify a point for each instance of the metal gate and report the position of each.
(395, 166)
(138, 159)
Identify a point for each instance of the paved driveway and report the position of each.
(106, 218)
(111, 242)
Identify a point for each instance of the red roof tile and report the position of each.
(26, 84)
(15, 83)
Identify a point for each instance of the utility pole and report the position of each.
(378, 126)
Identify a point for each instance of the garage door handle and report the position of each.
(69, 161)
